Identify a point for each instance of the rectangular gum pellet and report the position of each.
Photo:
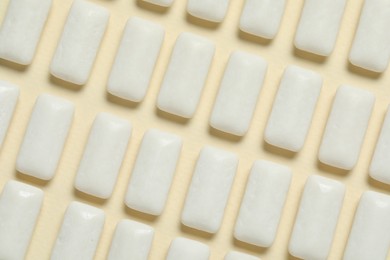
(293, 108)
(237, 97)
(183, 248)
(132, 240)
(370, 48)
(79, 43)
(45, 137)
(319, 26)
(153, 172)
(346, 127)
(209, 190)
(234, 255)
(21, 29)
(210, 10)
(380, 163)
(186, 75)
(9, 95)
(103, 155)
(262, 17)
(135, 60)
(20, 205)
(80, 232)
(263, 202)
(164, 3)
(317, 218)
(370, 236)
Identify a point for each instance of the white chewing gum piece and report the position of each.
(370, 48)
(153, 172)
(346, 127)
(132, 240)
(209, 190)
(135, 60)
(80, 233)
(186, 75)
(262, 17)
(21, 29)
(163, 3)
(370, 233)
(263, 202)
(9, 95)
(380, 163)
(210, 10)
(20, 205)
(103, 155)
(80, 41)
(234, 255)
(319, 26)
(183, 248)
(317, 218)
(293, 108)
(238, 93)
(45, 136)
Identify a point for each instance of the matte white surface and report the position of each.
(370, 233)
(293, 108)
(370, 48)
(262, 17)
(20, 205)
(346, 127)
(263, 202)
(238, 93)
(211, 10)
(135, 60)
(183, 248)
(186, 75)
(103, 155)
(153, 172)
(80, 41)
(80, 233)
(380, 163)
(317, 218)
(234, 255)
(9, 95)
(164, 3)
(132, 240)
(45, 136)
(21, 29)
(209, 189)
(319, 26)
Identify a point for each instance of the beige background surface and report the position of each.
(93, 98)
